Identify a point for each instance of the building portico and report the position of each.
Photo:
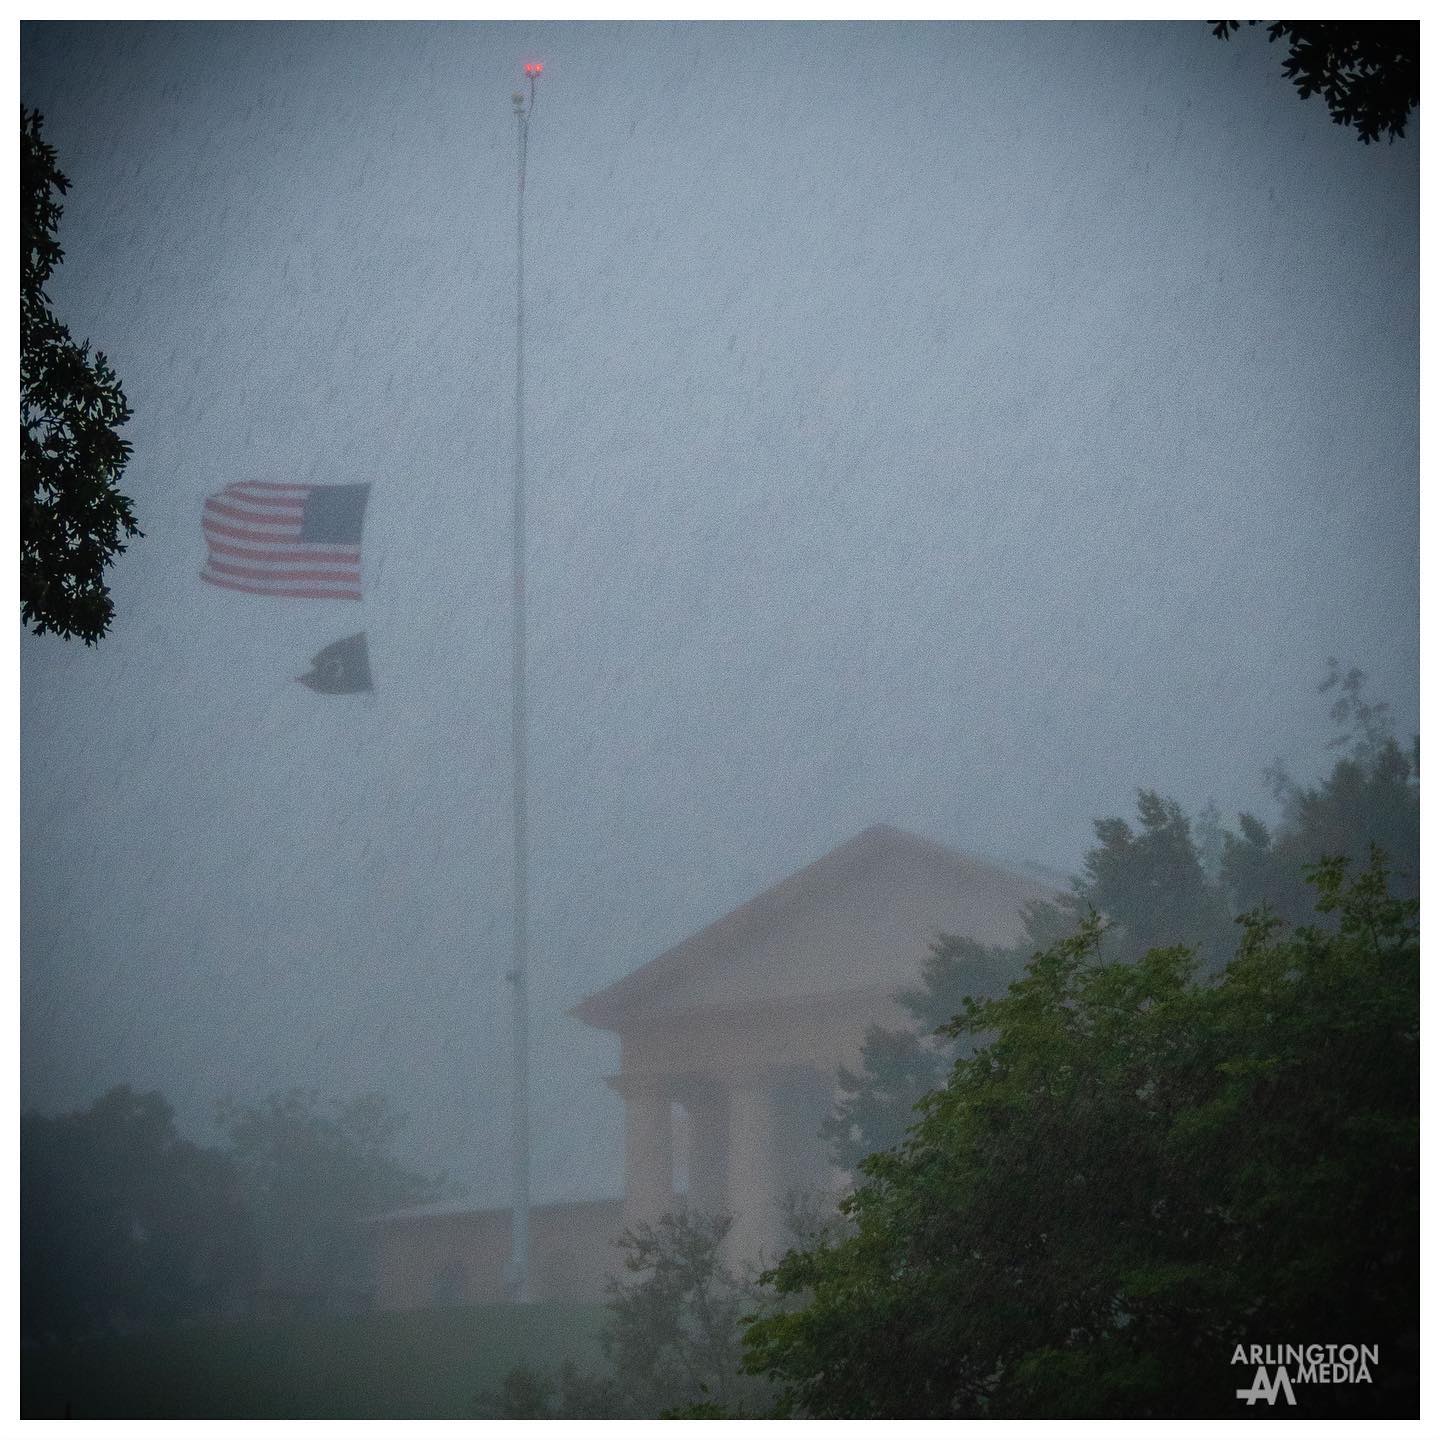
(744, 1141)
(731, 1042)
(730, 1047)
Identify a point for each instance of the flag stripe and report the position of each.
(278, 565)
(253, 533)
(283, 572)
(248, 516)
(266, 495)
(311, 554)
(290, 592)
(269, 487)
(250, 507)
(256, 537)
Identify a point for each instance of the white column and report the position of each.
(752, 1190)
(709, 1115)
(649, 1153)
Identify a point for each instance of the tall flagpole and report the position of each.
(519, 1276)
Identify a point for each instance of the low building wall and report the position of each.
(433, 1256)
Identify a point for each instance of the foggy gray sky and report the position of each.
(952, 425)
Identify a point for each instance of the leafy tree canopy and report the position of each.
(1133, 1167)
(1370, 797)
(673, 1338)
(1367, 70)
(1158, 881)
(73, 518)
(123, 1224)
(309, 1169)
(126, 1225)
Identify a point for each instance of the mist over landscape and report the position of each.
(951, 426)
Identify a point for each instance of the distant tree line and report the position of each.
(1162, 881)
(1183, 1114)
(1134, 1173)
(126, 1225)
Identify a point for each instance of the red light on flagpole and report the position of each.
(533, 68)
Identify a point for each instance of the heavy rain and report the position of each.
(938, 438)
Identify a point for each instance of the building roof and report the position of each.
(469, 1210)
(860, 918)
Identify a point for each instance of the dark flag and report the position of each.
(299, 541)
(342, 668)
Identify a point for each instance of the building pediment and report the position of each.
(858, 920)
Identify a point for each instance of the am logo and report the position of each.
(1268, 1390)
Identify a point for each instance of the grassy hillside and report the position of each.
(417, 1365)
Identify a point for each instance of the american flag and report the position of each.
(298, 541)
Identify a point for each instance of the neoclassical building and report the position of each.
(730, 1045)
(730, 1042)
